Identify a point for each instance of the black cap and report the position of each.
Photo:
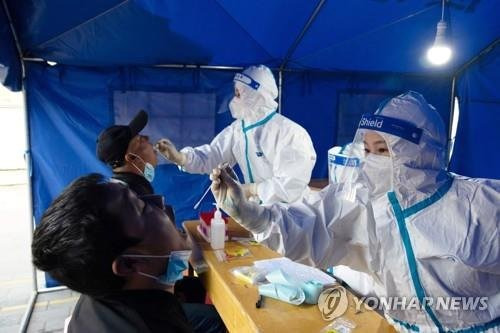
(113, 142)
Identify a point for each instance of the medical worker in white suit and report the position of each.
(275, 154)
(417, 230)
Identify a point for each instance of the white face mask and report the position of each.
(377, 172)
(248, 106)
(238, 108)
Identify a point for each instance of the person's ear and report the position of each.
(130, 157)
(123, 266)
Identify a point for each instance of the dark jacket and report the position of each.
(137, 183)
(142, 188)
(129, 311)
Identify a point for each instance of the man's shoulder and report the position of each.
(100, 315)
(129, 311)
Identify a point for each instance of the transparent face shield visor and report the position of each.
(224, 96)
(244, 88)
(373, 171)
(342, 164)
(346, 166)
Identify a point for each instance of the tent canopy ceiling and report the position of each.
(355, 35)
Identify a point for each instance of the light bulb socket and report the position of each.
(441, 33)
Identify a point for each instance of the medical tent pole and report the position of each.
(280, 89)
(450, 122)
(301, 35)
(27, 156)
(458, 73)
(292, 49)
(31, 218)
(474, 59)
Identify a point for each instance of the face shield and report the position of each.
(224, 96)
(251, 101)
(372, 147)
(340, 165)
(245, 103)
(239, 100)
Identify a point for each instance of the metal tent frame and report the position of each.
(281, 70)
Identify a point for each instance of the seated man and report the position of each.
(131, 156)
(121, 253)
(132, 159)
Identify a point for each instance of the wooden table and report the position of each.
(235, 300)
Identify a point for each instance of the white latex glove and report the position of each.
(168, 150)
(230, 196)
(250, 191)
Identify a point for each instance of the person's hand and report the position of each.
(227, 190)
(250, 191)
(231, 198)
(168, 150)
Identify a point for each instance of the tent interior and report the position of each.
(85, 65)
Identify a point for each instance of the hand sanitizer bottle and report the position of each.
(217, 230)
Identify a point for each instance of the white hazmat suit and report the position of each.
(275, 154)
(418, 231)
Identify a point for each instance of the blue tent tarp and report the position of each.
(331, 55)
(356, 47)
(478, 136)
(74, 104)
(10, 64)
(356, 35)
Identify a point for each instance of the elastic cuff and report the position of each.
(183, 159)
(254, 189)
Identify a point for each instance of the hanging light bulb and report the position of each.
(440, 52)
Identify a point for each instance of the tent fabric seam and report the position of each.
(124, 2)
(303, 32)
(367, 32)
(243, 29)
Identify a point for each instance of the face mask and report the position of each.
(149, 169)
(149, 172)
(246, 107)
(237, 108)
(177, 263)
(377, 172)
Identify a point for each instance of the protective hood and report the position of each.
(416, 138)
(258, 92)
(430, 151)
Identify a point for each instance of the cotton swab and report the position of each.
(202, 197)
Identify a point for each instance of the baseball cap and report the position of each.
(112, 143)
